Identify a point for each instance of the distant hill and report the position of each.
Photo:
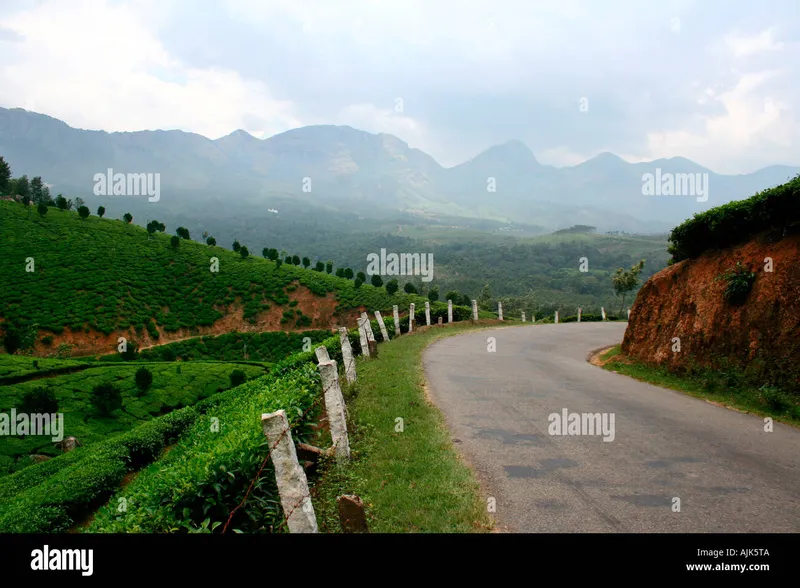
(347, 174)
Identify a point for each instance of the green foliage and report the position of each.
(357, 283)
(409, 288)
(329, 267)
(211, 241)
(41, 209)
(376, 281)
(237, 378)
(5, 177)
(433, 294)
(143, 378)
(391, 287)
(485, 298)
(307, 262)
(627, 281)
(101, 210)
(83, 211)
(18, 335)
(40, 400)
(739, 283)
(236, 246)
(244, 252)
(127, 217)
(106, 398)
(183, 233)
(348, 273)
(736, 222)
(175, 241)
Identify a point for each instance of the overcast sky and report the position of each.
(714, 81)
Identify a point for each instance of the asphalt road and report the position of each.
(728, 473)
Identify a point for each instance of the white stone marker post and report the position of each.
(289, 474)
(396, 314)
(322, 354)
(603, 312)
(411, 311)
(384, 332)
(500, 310)
(523, 317)
(427, 313)
(362, 336)
(368, 327)
(475, 310)
(347, 356)
(579, 314)
(449, 311)
(556, 317)
(629, 314)
(334, 407)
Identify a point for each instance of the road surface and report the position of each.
(675, 464)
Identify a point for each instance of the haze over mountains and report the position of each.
(347, 171)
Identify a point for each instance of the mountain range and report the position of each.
(342, 170)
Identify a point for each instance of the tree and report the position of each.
(19, 335)
(106, 398)
(238, 377)
(625, 282)
(183, 233)
(454, 296)
(83, 212)
(376, 281)
(143, 378)
(128, 217)
(362, 276)
(339, 272)
(485, 297)
(211, 241)
(329, 267)
(22, 187)
(265, 253)
(175, 241)
(79, 202)
(273, 254)
(391, 287)
(348, 273)
(42, 209)
(101, 210)
(357, 284)
(287, 260)
(61, 202)
(295, 260)
(306, 262)
(205, 234)
(409, 288)
(152, 227)
(5, 177)
(37, 189)
(40, 400)
(237, 246)
(433, 294)
(320, 267)
(244, 252)
(71, 204)
(278, 263)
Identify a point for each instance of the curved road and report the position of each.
(728, 473)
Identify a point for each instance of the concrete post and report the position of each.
(579, 314)
(449, 311)
(368, 327)
(334, 407)
(411, 312)
(629, 314)
(396, 314)
(322, 354)
(603, 312)
(362, 336)
(347, 356)
(384, 332)
(500, 310)
(440, 321)
(523, 317)
(556, 317)
(289, 474)
(427, 313)
(475, 310)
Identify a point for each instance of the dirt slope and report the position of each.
(685, 301)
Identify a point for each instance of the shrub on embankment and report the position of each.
(776, 209)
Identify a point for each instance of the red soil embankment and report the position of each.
(685, 301)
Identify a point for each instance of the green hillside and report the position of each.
(108, 276)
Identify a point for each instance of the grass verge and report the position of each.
(725, 388)
(411, 480)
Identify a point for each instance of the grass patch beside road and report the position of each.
(411, 481)
(725, 387)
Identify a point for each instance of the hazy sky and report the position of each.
(714, 81)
